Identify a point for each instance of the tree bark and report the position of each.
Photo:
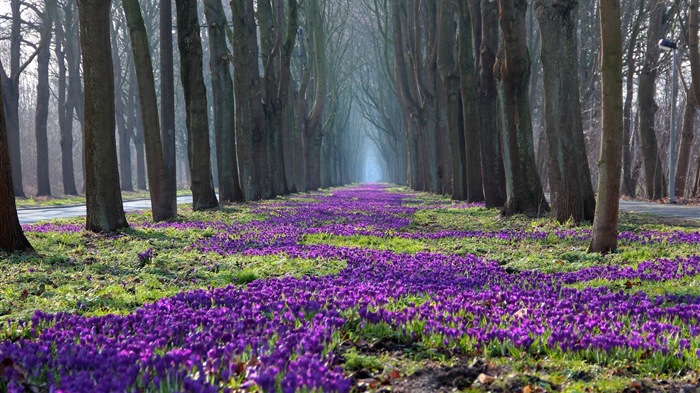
(65, 107)
(251, 128)
(105, 211)
(124, 126)
(42, 101)
(190, 45)
(628, 181)
(167, 102)
(569, 177)
(487, 98)
(10, 87)
(524, 190)
(222, 89)
(470, 111)
(11, 235)
(162, 207)
(653, 171)
(604, 237)
(691, 102)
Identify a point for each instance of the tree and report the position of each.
(198, 149)
(470, 112)
(449, 72)
(163, 207)
(691, 101)
(105, 211)
(570, 181)
(487, 99)
(167, 100)
(11, 235)
(604, 237)
(653, 171)
(222, 89)
(524, 192)
(42, 101)
(65, 51)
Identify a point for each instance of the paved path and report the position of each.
(662, 209)
(29, 215)
(35, 214)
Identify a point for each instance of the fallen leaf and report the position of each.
(394, 374)
(24, 294)
(485, 379)
(520, 313)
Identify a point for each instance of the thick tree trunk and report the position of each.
(251, 128)
(10, 87)
(167, 102)
(190, 44)
(470, 112)
(222, 87)
(653, 171)
(487, 98)
(11, 235)
(105, 211)
(135, 125)
(569, 177)
(524, 190)
(162, 207)
(447, 66)
(42, 101)
(606, 213)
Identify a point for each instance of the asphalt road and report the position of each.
(30, 215)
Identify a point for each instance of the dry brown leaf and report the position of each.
(485, 379)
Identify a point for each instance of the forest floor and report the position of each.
(364, 288)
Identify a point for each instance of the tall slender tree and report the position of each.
(11, 235)
(605, 230)
(42, 100)
(198, 148)
(105, 210)
(163, 207)
(167, 100)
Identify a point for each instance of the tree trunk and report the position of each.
(136, 128)
(42, 101)
(686, 143)
(628, 181)
(569, 177)
(65, 107)
(691, 102)
(105, 211)
(190, 45)
(604, 238)
(10, 97)
(447, 66)
(162, 207)
(222, 86)
(653, 171)
(487, 98)
(167, 102)
(524, 190)
(11, 235)
(470, 120)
